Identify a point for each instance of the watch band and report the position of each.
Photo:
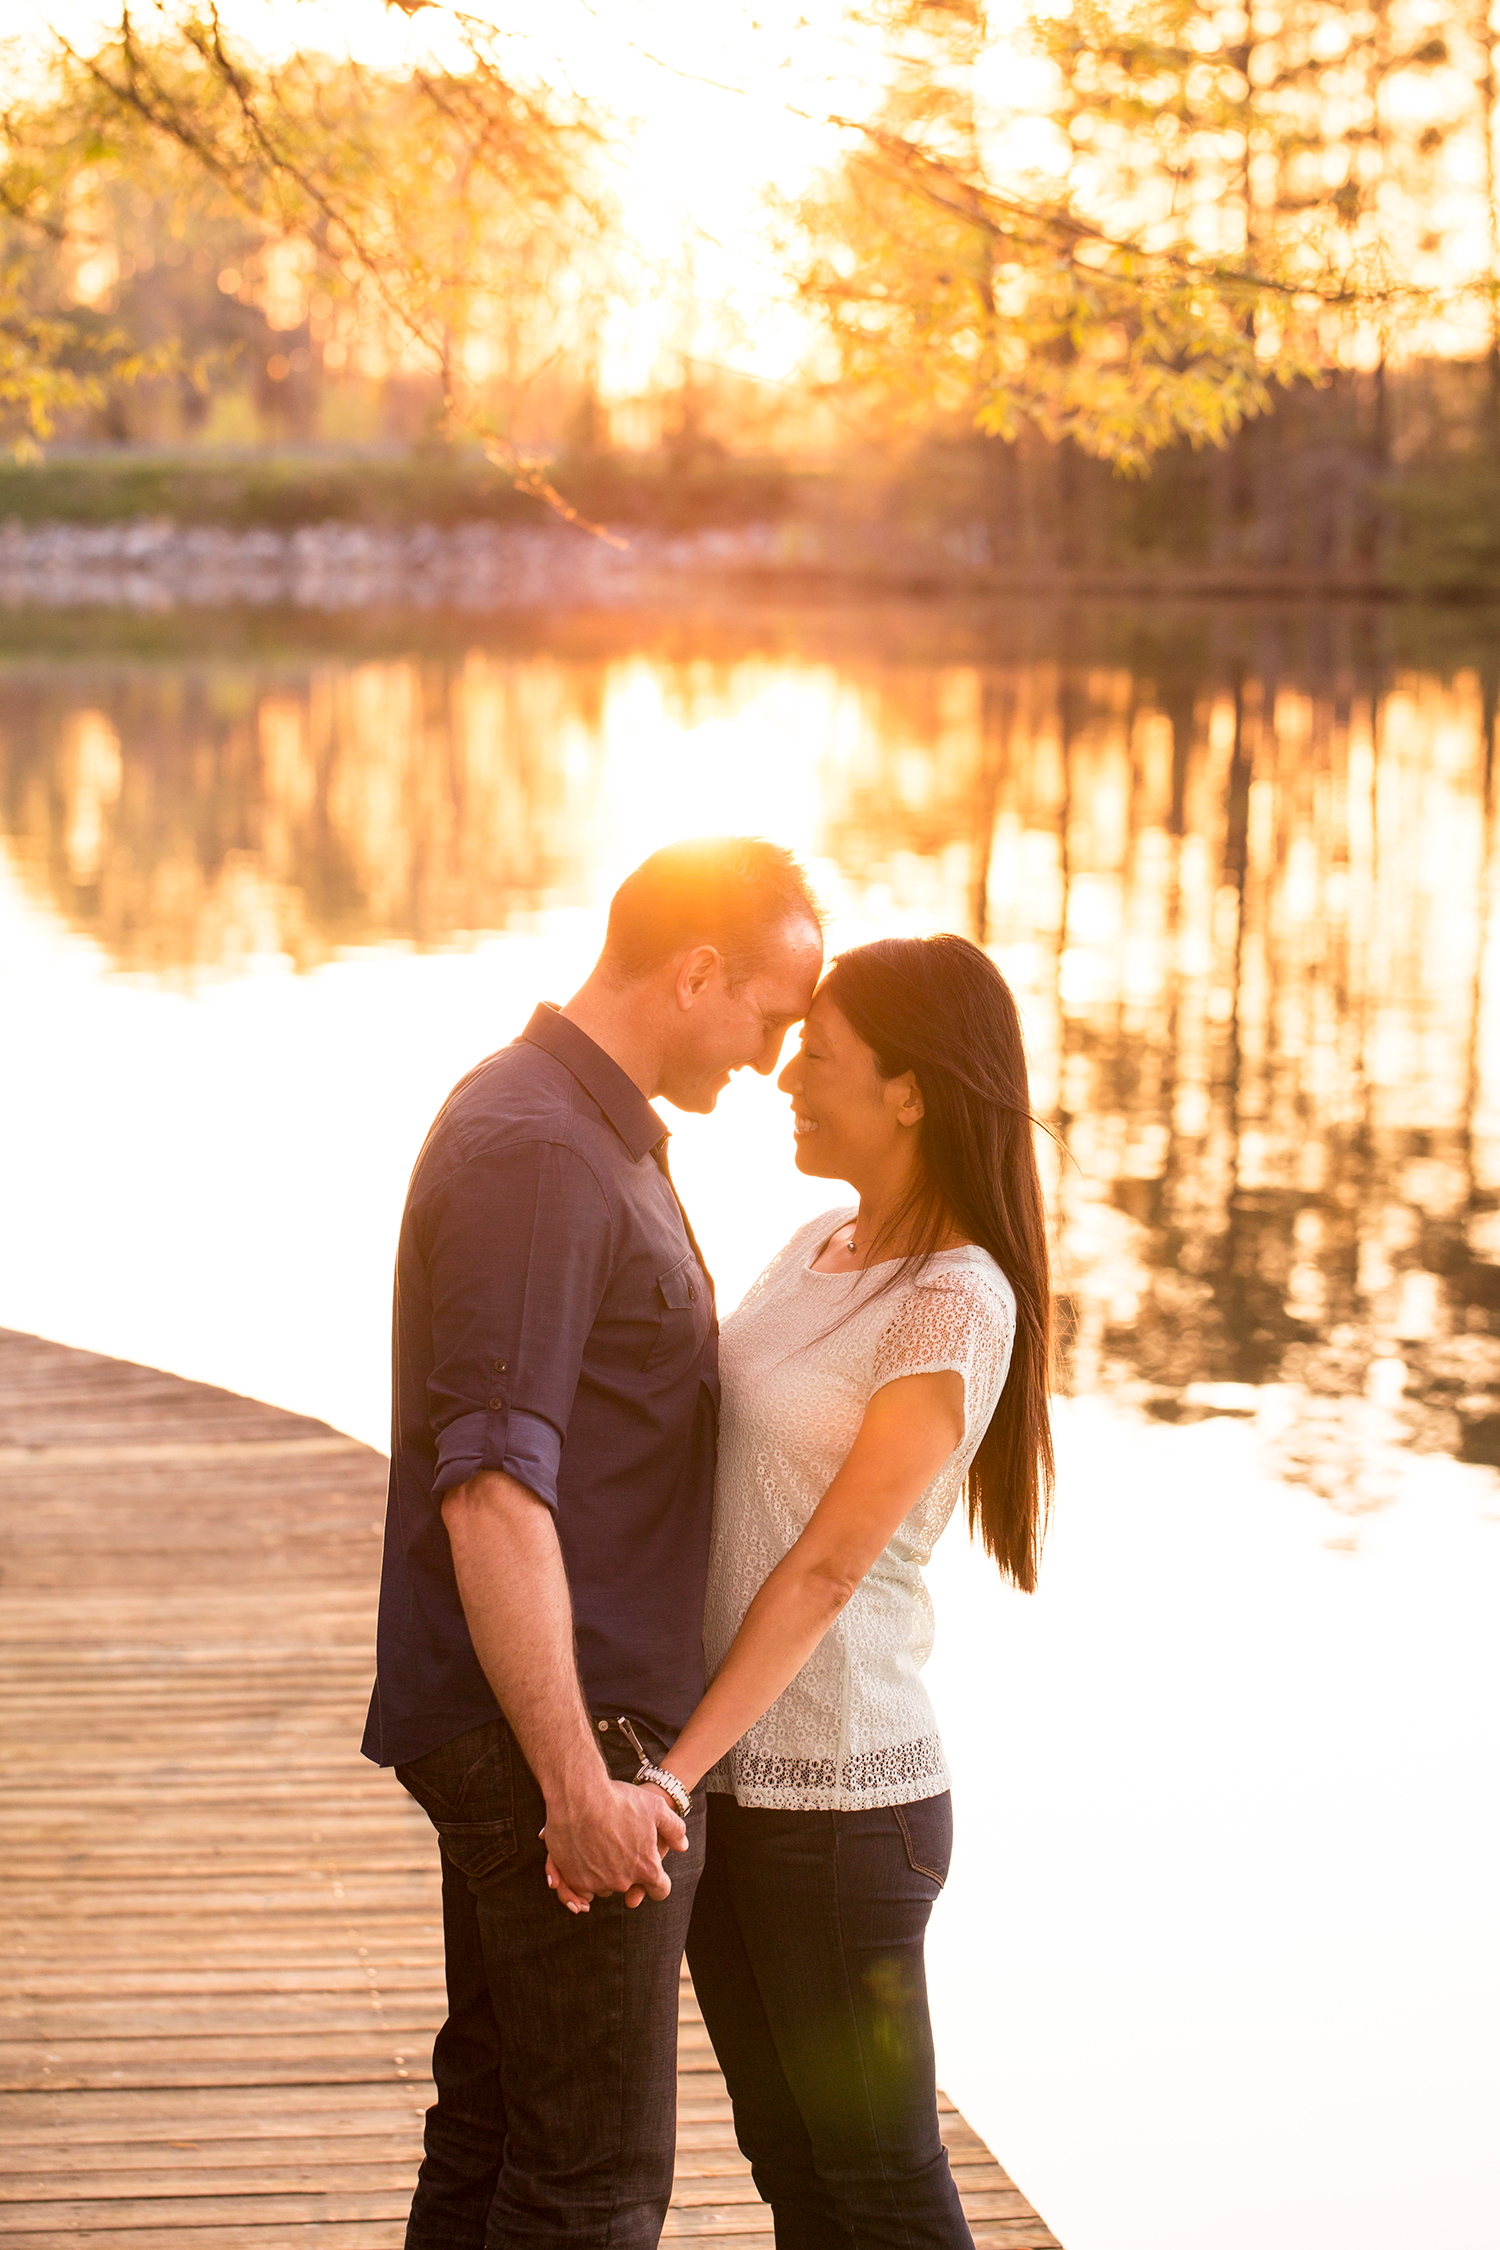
(668, 1783)
(677, 1796)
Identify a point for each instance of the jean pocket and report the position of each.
(927, 1832)
(465, 1788)
(466, 1782)
(477, 1847)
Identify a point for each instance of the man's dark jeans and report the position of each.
(806, 1951)
(556, 2112)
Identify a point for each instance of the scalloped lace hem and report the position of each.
(899, 1775)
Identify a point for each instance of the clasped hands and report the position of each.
(614, 1842)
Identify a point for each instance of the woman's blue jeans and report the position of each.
(806, 1952)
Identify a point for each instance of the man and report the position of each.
(546, 1548)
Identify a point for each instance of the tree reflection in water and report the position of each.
(193, 816)
(1240, 869)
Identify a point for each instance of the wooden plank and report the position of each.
(165, 2078)
(50, 1460)
(108, 2229)
(217, 2013)
(151, 2212)
(47, 2168)
(198, 2112)
(388, 2178)
(132, 1982)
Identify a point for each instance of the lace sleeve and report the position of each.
(953, 1322)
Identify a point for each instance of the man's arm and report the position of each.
(519, 1242)
(603, 1835)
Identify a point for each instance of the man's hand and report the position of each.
(613, 1842)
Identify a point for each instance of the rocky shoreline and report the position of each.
(152, 564)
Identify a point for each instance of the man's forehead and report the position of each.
(788, 982)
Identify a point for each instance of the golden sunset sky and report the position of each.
(703, 96)
(717, 108)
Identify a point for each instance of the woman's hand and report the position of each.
(576, 1902)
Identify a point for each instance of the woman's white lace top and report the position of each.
(801, 1357)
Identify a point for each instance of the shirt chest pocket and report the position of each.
(681, 1309)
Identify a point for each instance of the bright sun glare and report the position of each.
(715, 107)
(715, 112)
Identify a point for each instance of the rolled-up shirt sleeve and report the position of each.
(518, 1252)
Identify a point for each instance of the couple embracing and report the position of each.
(652, 1616)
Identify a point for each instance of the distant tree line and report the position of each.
(1163, 210)
(1118, 234)
(179, 216)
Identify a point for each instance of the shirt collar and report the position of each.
(600, 1075)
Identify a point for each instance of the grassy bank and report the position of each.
(1285, 509)
(281, 490)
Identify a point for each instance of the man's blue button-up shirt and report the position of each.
(552, 1320)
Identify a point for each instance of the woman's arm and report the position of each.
(910, 1427)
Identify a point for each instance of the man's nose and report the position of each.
(770, 1053)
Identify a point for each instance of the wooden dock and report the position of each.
(223, 1953)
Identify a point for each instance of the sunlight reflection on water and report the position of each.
(1219, 1940)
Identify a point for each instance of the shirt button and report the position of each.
(498, 1365)
(494, 1402)
(692, 1294)
(604, 1726)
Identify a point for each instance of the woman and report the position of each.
(862, 1389)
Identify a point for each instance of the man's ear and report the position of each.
(695, 970)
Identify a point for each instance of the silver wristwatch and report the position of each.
(668, 1783)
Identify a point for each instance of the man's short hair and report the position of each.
(733, 892)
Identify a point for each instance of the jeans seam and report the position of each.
(614, 2192)
(838, 1908)
(912, 1860)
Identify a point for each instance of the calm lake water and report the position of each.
(1217, 1962)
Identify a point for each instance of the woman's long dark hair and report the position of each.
(939, 1008)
